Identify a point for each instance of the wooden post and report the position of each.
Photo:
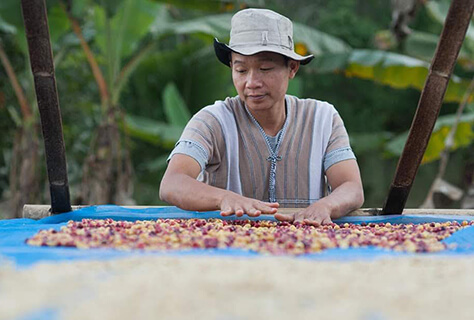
(41, 59)
(431, 99)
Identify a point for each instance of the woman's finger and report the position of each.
(326, 220)
(265, 207)
(289, 217)
(253, 212)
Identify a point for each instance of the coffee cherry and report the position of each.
(261, 236)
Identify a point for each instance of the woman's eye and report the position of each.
(241, 71)
(266, 69)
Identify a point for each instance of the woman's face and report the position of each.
(261, 80)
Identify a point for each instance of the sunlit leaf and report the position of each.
(175, 108)
(388, 68)
(463, 137)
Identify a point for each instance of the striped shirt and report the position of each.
(235, 153)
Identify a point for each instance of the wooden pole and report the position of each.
(431, 99)
(41, 59)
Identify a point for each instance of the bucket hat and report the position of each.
(257, 30)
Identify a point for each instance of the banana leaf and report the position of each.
(388, 68)
(438, 11)
(155, 132)
(175, 108)
(316, 42)
(463, 137)
(422, 45)
(213, 5)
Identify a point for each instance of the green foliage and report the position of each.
(463, 137)
(295, 87)
(171, 72)
(160, 133)
(123, 32)
(318, 42)
(369, 143)
(342, 19)
(119, 36)
(58, 24)
(388, 68)
(15, 115)
(6, 27)
(438, 11)
(176, 110)
(212, 5)
(213, 25)
(155, 132)
(218, 26)
(422, 45)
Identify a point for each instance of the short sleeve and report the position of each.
(338, 148)
(192, 149)
(200, 139)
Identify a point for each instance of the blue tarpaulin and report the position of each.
(13, 234)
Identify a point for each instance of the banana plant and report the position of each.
(164, 133)
(121, 41)
(160, 132)
(409, 70)
(423, 45)
(388, 68)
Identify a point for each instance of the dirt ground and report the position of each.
(198, 287)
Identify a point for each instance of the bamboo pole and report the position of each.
(431, 99)
(42, 66)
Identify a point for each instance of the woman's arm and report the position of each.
(179, 187)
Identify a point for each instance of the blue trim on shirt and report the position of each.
(192, 149)
(338, 155)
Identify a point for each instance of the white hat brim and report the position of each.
(223, 52)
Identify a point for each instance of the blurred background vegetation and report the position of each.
(130, 73)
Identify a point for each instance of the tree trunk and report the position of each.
(107, 170)
(24, 171)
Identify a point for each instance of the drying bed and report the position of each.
(349, 238)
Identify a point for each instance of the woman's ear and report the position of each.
(294, 67)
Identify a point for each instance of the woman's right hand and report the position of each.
(233, 203)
